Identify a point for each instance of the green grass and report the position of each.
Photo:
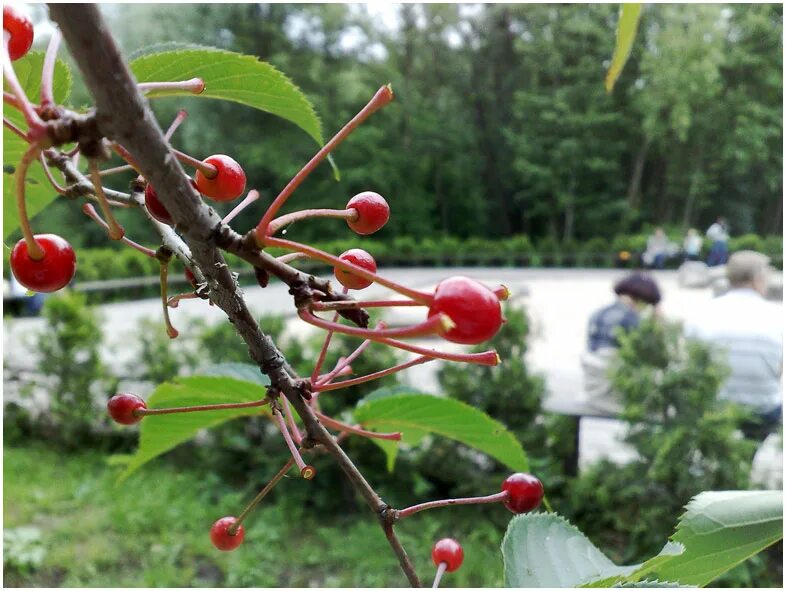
(151, 531)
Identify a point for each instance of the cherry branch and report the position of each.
(124, 116)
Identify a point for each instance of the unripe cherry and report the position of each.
(221, 537)
(121, 408)
(450, 552)
(473, 307)
(156, 208)
(54, 271)
(373, 212)
(229, 182)
(361, 258)
(20, 28)
(525, 492)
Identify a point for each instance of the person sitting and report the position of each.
(691, 246)
(657, 249)
(635, 293)
(747, 327)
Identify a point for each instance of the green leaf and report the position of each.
(416, 415)
(544, 550)
(626, 34)
(233, 77)
(160, 433)
(39, 192)
(240, 371)
(720, 530)
(649, 585)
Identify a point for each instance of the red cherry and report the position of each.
(228, 184)
(21, 30)
(50, 273)
(222, 539)
(473, 307)
(121, 408)
(373, 212)
(524, 492)
(361, 258)
(449, 551)
(155, 207)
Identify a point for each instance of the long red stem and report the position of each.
(325, 387)
(291, 421)
(424, 298)
(204, 407)
(306, 471)
(339, 426)
(351, 304)
(303, 214)
(91, 212)
(48, 69)
(116, 231)
(205, 168)
(11, 100)
(232, 529)
(382, 97)
(15, 129)
(323, 352)
(437, 324)
(171, 331)
(179, 118)
(252, 196)
(484, 358)
(347, 360)
(194, 85)
(37, 126)
(495, 498)
(49, 177)
(31, 154)
(443, 566)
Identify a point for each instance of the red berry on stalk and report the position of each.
(361, 258)
(221, 537)
(50, 273)
(229, 182)
(524, 492)
(21, 31)
(121, 408)
(373, 212)
(472, 306)
(449, 551)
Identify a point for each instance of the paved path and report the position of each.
(559, 302)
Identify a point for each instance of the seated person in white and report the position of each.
(747, 328)
(634, 294)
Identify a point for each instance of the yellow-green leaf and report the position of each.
(626, 33)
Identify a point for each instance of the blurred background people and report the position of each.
(747, 328)
(635, 293)
(718, 235)
(691, 246)
(657, 248)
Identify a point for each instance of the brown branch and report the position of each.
(123, 116)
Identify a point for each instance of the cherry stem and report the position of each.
(252, 196)
(194, 86)
(49, 176)
(141, 412)
(174, 301)
(306, 471)
(116, 169)
(291, 421)
(344, 371)
(205, 168)
(91, 212)
(502, 292)
(423, 298)
(170, 330)
(339, 426)
(37, 126)
(351, 304)
(48, 69)
(291, 256)
(116, 231)
(437, 324)
(347, 360)
(296, 216)
(547, 505)
(125, 155)
(409, 511)
(11, 100)
(490, 358)
(33, 250)
(15, 129)
(326, 387)
(323, 351)
(179, 118)
(232, 529)
(382, 97)
(438, 577)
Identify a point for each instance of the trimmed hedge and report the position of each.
(99, 264)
